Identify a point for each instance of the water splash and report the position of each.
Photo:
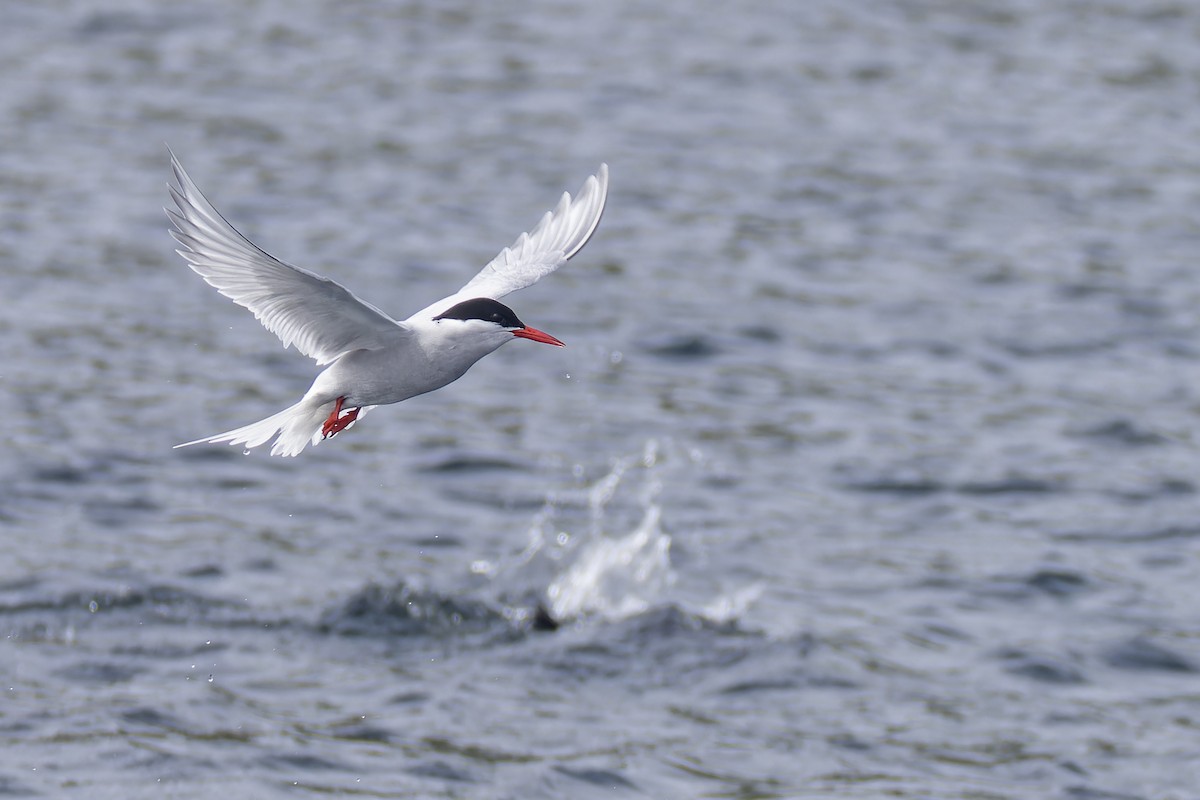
(600, 549)
(732, 605)
(614, 576)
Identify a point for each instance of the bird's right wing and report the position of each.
(558, 236)
(321, 318)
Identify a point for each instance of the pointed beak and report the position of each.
(535, 335)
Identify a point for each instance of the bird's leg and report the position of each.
(333, 418)
(335, 423)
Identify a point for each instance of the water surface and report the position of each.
(868, 471)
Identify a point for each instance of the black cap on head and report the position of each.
(483, 308)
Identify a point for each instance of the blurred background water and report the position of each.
(869, 469)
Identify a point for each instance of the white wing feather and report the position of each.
(319, 316)
(558, 236)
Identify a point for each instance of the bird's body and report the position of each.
(372, 359)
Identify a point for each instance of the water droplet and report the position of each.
(93, 606)
(615, 357)
(210, 678)
(562, 538)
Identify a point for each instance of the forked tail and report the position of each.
(297, 426)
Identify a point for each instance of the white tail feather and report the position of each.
(297, 426)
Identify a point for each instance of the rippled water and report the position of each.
(868, 471)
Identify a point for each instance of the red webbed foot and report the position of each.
(335, 423)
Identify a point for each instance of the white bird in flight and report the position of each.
(373, 359)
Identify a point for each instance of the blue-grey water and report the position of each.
(869, 470)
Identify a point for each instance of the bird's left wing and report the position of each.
(320, 317)
(558, 236)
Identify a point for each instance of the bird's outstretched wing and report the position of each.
(558, 236)
(319, 316)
